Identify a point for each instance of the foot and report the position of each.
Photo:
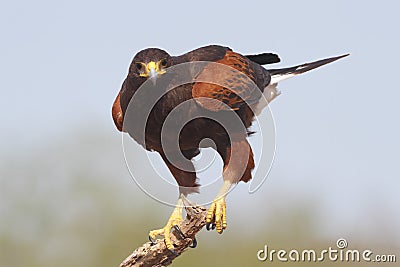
(216, 215)
(173, 222)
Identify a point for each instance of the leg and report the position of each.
(186, 180)
(238, 163)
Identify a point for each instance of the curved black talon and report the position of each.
(176, 227)
(213, 226)
(194, 243)
(152, 241)
(208, 226)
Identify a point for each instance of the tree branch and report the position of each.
(158, 254)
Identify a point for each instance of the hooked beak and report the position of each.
(153, 74)
(152, 70)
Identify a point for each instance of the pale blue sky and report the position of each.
(62, 63)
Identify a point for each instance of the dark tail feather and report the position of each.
(264, 58)
(304, 67)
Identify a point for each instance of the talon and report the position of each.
(176, 227)
(152, 241)
(211, 212)
(208, 226)
(216, 215)
(194, 243)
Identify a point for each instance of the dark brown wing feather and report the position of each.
(264, 58)
(207, 53)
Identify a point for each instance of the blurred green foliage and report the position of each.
(71, 203)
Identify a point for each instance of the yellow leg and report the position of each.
(175, 219)
(216, 214)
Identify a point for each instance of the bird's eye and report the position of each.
(139, 66)
(164, 62)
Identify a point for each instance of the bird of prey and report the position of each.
(239, 91)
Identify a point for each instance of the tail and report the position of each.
(278, 75)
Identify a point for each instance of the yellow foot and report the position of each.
(216, 215)
(174, 220)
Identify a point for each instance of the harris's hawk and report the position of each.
(236, 89)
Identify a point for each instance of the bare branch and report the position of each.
(158, 254)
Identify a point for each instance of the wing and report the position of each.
(211, 53)
(121, 102)
(233, 87)
(116, 112)
(264, 58)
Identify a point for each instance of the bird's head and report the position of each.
(150, 63)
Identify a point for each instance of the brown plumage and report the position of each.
(238, 89)
(201, 128)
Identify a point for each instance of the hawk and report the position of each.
(242, 88)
